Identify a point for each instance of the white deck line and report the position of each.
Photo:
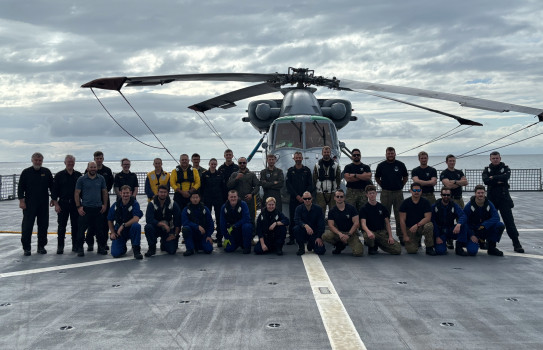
(337, 322)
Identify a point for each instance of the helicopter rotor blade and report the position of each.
(227, 100)
(462, 121)
(464, 101)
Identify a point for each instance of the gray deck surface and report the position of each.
(232, 298)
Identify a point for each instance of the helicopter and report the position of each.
(300, 121)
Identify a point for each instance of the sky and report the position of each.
(48, 49)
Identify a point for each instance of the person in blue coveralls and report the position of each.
(123, 218)
(163, 218)
(197, 226)
(236, 225)
(449, 223)
(483, 223)
(271, 228)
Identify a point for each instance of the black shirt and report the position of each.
(299, 181)
(414, 212)
(130, 179)
(425, 174)
(375, 216)
(391, 175)
(34, 186)
(343, 220)
(226, 171)
(453, 175)
(64, 185)
(357, 169)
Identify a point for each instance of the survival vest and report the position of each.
(232, 215)
(478, 214)
(181, 176)
(119, 211)
(154, 181)
(166, 214)
(445, 216)
(326, 173)
(197, 214)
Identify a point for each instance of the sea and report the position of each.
(525, 161)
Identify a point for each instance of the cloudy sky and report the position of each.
(488, 49)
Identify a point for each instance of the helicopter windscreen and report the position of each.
(317, 135)
(288, 135)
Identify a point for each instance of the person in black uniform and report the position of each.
(64, 203)
(415, 221)
(298, 181)
(426, 176)
(106, 172)
(496, 176)
(126, 177)
(358, 176)
(271, 229)
(212, 189)
(33, 189)
(226, 170)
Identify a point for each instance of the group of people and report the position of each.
(230, 191)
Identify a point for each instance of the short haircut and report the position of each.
(370, 188)
(195, 155)
(125, 187)
(390, 148)
(415, 184)
(340, 190)
(445, 188)
(212, 159)
(423, 153)
(356, 150)
(69, 156)
(271, 199)
(233, 192)
(327, 147)
(449, 156)
(193, 193)
(154, 160)
(479, 187)
(495, 153)
(98, 154)
(122, 160)
(228, 150)
(163, 187)
(37, 155)
(298, 152)
(183, 155)
(271, 155)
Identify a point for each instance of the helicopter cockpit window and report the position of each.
(288, 135)
(317, 135)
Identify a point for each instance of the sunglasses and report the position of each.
(307, 199)
(339, 196)
(445, 195)
(242, 162)
(356, 155)
(419, 190)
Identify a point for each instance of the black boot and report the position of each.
(291, 240)
(137, 252)
(492, 250)
(482, 244)
(102, 250)
(60, 249)
(301, 250)
(373, 250)
(460, 250)
(189, 252)
(430, 251)
(41, 250)
(517, 246)
(339, 248)
(151, 251)
(450, 244)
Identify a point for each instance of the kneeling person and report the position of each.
(309, 226)
(449, 223)
(343, 223)
(415, 217)
(163, 218)
(375, 222)
(483, 223)
(123, 218)
(236, 226)
(271, 228)
(197, 226)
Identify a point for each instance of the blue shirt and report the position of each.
(91, 190)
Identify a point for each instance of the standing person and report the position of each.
(483, 223)
(309, 226)
(246, 185)
(236, 226)
(195, 159)
(391, 175)
(271, 229)
(33, 189)
(226, 169)
(272, 181)
(184, 180)
(197, 226)
(496, 176)
(449, 223)
(358, 176)
(327, 179)
(163, 218)
(212, 193)
(426, 176)
(123, 218)
(298, 181)
(106, 172)
(91, 199)
(126, 177)
(375, 223)
(64, 202)
(454, 179)
(155, 179)
(343, 226)
(415, 221)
